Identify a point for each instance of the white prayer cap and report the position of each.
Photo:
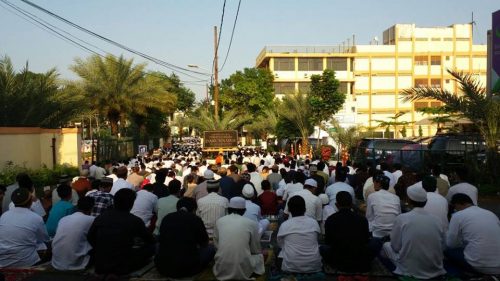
(416, 193)
(237, 203)
(324, 199)
(311, 182)
(208, 174)
(248, 191)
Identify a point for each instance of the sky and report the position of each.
(181, 32)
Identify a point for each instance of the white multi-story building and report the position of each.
(373, 76)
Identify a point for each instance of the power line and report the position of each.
(232, 34)
(148, 57)
(40, 23)
(47, 28)
(220, 32)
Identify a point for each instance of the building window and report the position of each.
(283, 88)
(304, 87)
(310, 64)
(284, 64)
(436, 83)
(421, 82)
(435, 60)
(337, 64)
(343, 87)
(420, 104)
(435, 104)
(421, 60)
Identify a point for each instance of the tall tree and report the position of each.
(117, 88)
(324, 98)
(393, 122)
(295, 109)
(473, 103)
(185, 97)
(248, 92)
(264, 124)
(35, 99)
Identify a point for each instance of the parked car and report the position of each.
(453, 148)
(376, 150)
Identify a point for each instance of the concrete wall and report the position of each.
(32, 146)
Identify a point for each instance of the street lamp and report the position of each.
(206, 70)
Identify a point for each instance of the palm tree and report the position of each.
(34, 99)
(264, 125)
(117, 88)
(393, 122)
(347, 138)
(206, 121)
(295, 108)
(473, 103)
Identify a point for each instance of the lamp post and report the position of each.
(206, 70)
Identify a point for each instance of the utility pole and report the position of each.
(216, 76)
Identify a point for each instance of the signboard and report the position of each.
(220, 140)
(143, 150)
(495, 53)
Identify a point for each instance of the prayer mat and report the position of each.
(18, 274)
(377, 269)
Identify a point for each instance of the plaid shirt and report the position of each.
(102, 202)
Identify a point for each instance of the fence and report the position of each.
(420, 160)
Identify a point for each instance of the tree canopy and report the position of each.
(35, 99)
(324, 97)
(119, 89)
(248, 92)
(473, 103)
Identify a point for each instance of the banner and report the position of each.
(495, 56)
(224, 140)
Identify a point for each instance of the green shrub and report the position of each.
(41, 177)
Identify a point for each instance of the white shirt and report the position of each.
(8, 193)
(145, 204)
(252, 211)
(210, 209)
(281, 188)
(465, 188)
(291, 189)
(478, 231)
(298, 238)
(397, 174)
(238, 248)
(36, 207)
(382, 208)
(256, 179)
(417, 242)
(392, 180)
(335, 188)
(23, 233)
(119, 184)
(314, 207)
(99, 173)
(438, 206)
(327, 211)
(113, 176)
(70, 247)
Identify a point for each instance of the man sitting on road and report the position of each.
(473, 237)
(298, 238)
(184, 249)
(238, 245)
(212, 206)
(346, 238)
(70, 248)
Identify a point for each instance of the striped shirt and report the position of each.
(210, 209)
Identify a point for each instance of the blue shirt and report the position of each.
(58, 211)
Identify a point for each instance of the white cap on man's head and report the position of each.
(416, 193)
(247, 191)
(237, 203)
(311, 182)
(324, 199)
(208, 174)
